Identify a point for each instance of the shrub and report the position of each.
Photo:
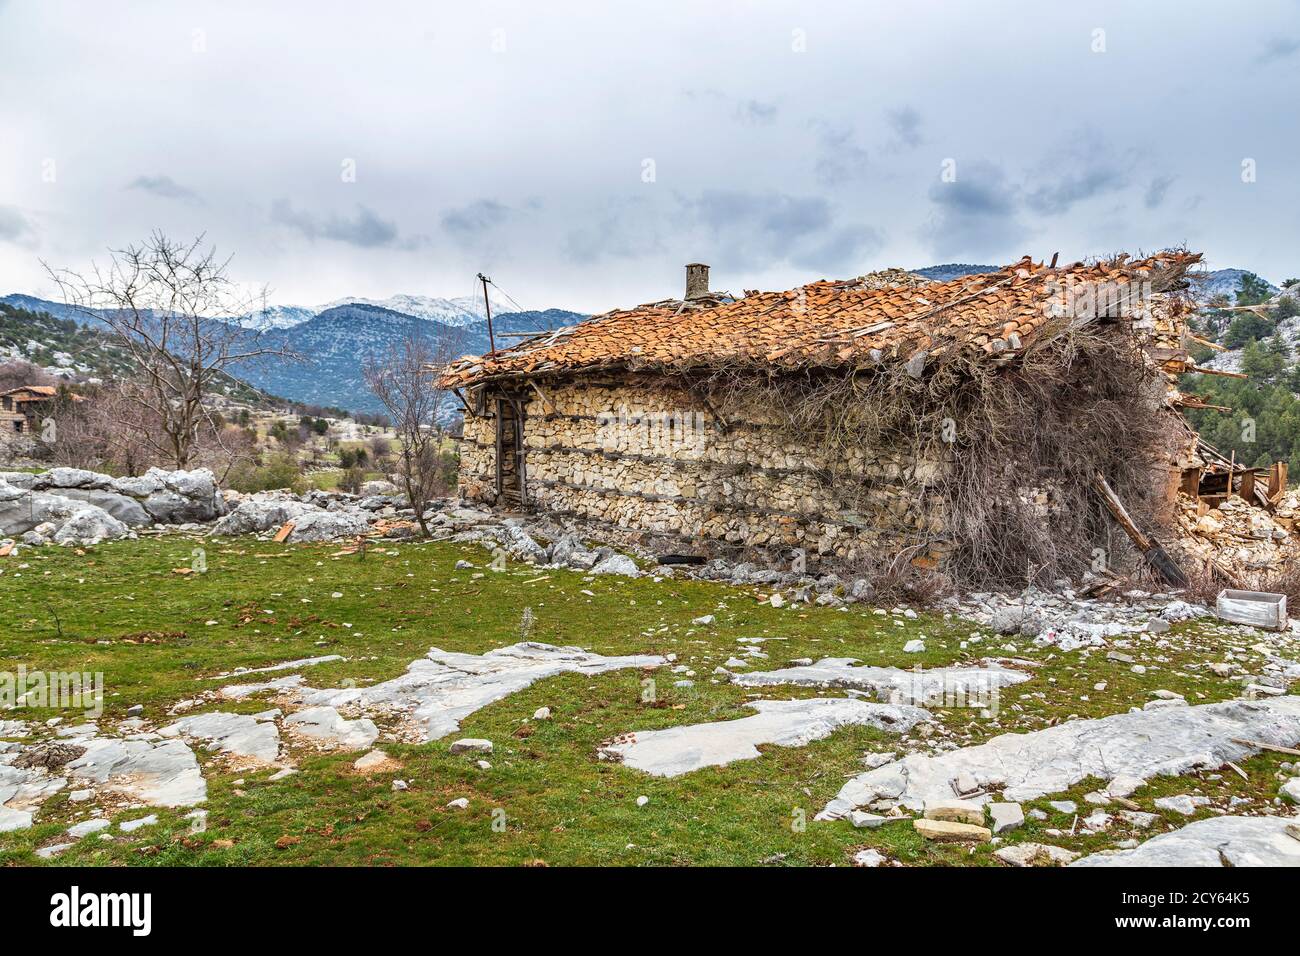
(279, 470)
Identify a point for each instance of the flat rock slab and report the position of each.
(239, 735)
(161, 774)
(948, 831)
(1217, 841)
(785, 723)
(1143, 744)
(327, 726)
(285, 666)
(441, 689)
(1035, 854)
(935, 687)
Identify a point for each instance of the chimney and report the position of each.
(697, 280)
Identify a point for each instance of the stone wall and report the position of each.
(654, 457)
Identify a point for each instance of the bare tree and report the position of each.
(175, 310)
(402, 380)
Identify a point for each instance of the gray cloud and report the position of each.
(753, 230)
(905, 123)
(755, 112)
(1278, 48)
(1079, 172)
(789, 165)
(839, 158)
(164, 187)
(475, 218)
(14, 226)
(975, 216)
(366, 229)
(1156, 191)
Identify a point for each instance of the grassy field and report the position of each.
(119, 608)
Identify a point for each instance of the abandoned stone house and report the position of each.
(22, 408)
(615, 419)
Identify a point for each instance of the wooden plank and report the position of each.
(1260, 745)
(286, 529)
(1248, 485)
(1214, 371)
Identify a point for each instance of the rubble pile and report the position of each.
(1237, 537)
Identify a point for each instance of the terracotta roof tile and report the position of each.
(820, 324)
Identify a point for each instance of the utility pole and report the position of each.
(487, 306)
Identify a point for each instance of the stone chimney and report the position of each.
(697, 280)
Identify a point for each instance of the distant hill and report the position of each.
(1225, 282)
(952, 270)
(334, 346)
(62, 348)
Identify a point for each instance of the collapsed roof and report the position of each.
(856, 323)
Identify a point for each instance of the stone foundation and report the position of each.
(652, 457)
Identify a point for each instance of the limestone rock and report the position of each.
(1006, 816)
(945, 831)
(955, 811)
(786, 723)
(1026, 766)
(1035, 854)
(1214, 842)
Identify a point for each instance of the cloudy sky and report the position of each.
(581, 153)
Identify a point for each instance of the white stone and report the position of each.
(868, 857)
(440, 690)
(1025, 766)
(785, 723)
(1006, 816)
(1291, 790)
(87, 827)
(239, 735)
(863, 820)
(542, 713)
(938, 685)
(1213, 842)
(1034, 854)
(326, 725)
(372, 760)
(1184, 803)
(162, 774)
(460, 803)
(130, 826)
(472, 745)
(914, 647)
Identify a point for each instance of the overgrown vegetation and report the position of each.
(1080, 401)
(1263, 425)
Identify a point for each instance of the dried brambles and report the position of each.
(1017, 444)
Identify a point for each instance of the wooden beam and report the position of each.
(1154, 554)
(1214, 371)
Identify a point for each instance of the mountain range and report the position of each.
(334, 340)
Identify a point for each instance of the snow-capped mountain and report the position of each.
(277, 317)
(462, 310)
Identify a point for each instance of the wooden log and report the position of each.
(1154, 554)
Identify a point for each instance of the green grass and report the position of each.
(120, 609)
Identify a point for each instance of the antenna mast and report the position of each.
(487, 306)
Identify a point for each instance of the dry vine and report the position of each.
(1081, 399)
